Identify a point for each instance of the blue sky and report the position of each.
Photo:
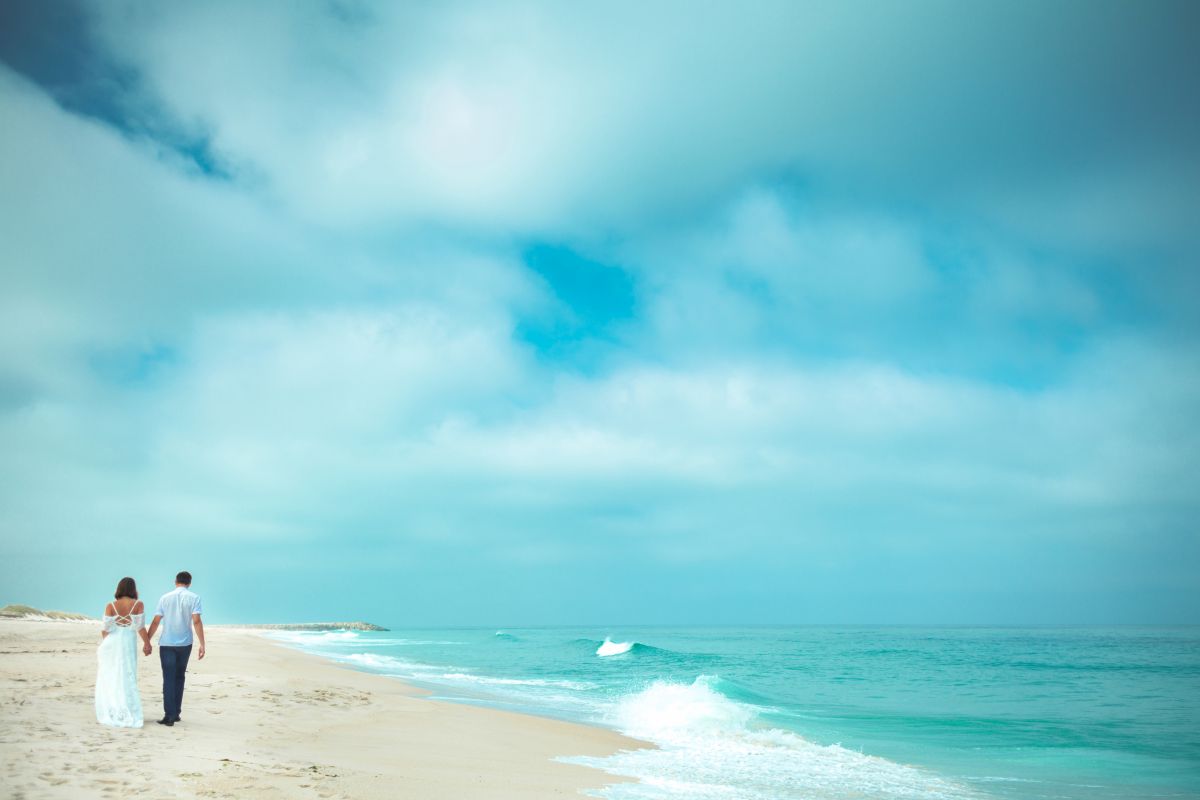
(504, 313)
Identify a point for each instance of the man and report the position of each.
(178, 611)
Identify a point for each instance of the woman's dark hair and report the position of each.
(126, 588)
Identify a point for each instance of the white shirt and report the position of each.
(176, 609)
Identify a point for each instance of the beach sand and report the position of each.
(264, 721)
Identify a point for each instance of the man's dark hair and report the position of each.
(126, 588)
(184, 577)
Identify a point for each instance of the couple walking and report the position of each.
(118, 701)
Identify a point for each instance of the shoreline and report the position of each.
(261, 718)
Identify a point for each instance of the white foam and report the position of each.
(317, 640)
(402, 642)
(428, 673)
(486, 680)
(709, 746)
(376, 661)
(611, 648)
(311, 637)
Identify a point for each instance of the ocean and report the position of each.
(826, 713)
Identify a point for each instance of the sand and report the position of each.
(263, 721)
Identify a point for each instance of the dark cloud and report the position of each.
(52, 44)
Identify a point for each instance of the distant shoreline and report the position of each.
(17, 611)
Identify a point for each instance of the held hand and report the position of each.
(146, 649)
(200, 653)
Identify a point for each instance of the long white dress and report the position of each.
(118, 701)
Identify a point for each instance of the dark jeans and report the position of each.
(174, 666)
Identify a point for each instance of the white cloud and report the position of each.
(419, 425)
(315, 384)
(107, 247)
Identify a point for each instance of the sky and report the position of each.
(609, 313)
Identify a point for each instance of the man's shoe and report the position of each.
(179, 719)
(166, 721)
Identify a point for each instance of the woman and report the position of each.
(118, 702)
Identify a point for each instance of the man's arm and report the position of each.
(199, 634)
(153, 626)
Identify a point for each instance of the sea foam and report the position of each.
(314, 638)
(487, 680)
(710, 746)
(611, 648)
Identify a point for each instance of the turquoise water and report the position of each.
(838, 712)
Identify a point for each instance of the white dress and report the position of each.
(118, 701)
